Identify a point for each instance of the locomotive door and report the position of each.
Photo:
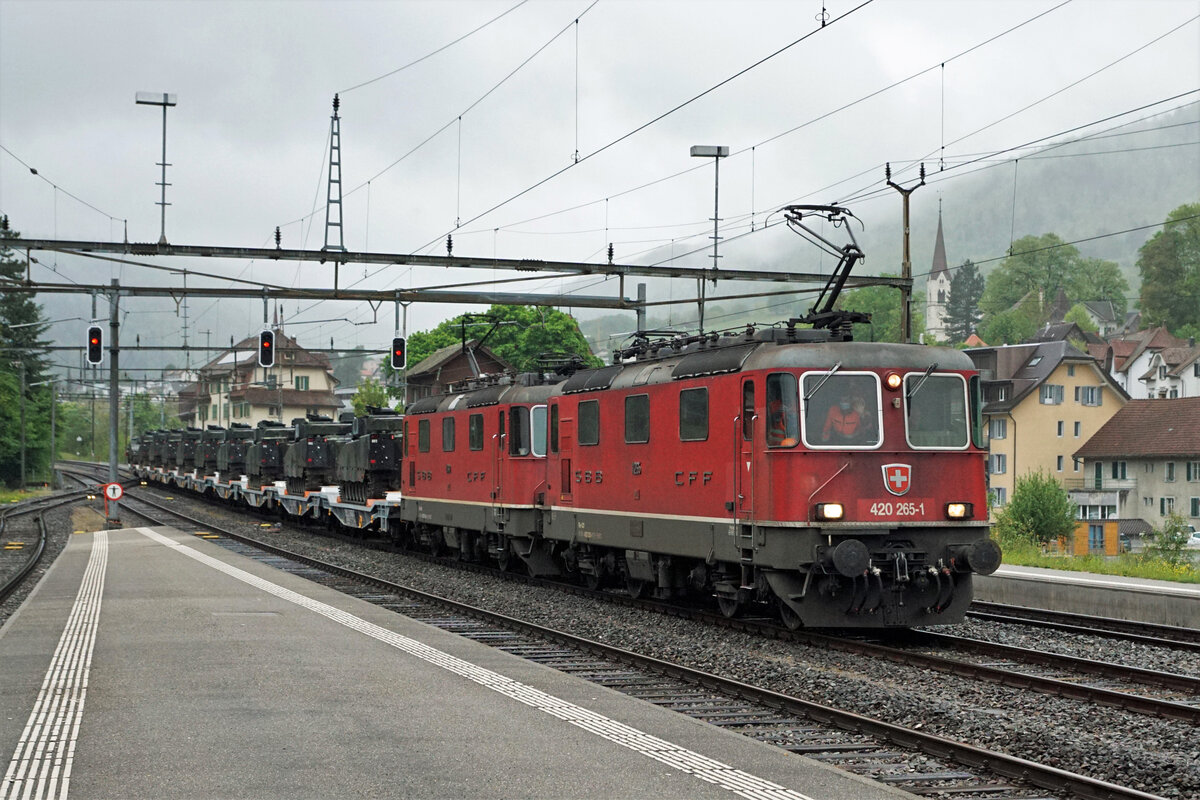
(744, 502)
(501, 462)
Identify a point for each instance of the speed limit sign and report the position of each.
(113, 491)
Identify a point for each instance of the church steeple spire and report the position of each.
(939, 249)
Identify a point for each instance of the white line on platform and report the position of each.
(41, 766)
(674, 756)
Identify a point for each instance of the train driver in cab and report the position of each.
(782, 418)
(843, 421)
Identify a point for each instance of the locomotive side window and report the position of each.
(475, 431)
(589, 422)
(637, 418)
(842, 409)
(537, 432)
(748, 410)
(693, 415)
(554, 428)
(783, 418)
(448, 435)
(518, 435)
(935, 411)
(423, 435)
(975, 392)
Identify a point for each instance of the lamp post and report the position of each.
(165, 100)
(716, 153)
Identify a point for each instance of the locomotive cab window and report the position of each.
(783, 417)
(589, 422)
(520, 434)
(475, 432)
(554, 428)
(448, 435)
(842, 410)
(423, 435)
(936, 411)
(637, 419)
(537, 431)
(693, 415)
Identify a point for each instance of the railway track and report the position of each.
(1187, 639)
(901, 756)
(22, 548)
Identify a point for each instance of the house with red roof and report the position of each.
(1144, 463)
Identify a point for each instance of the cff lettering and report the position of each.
(688, 478)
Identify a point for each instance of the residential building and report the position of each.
(1041, 401)
(234, 388)
(1104, 316)
(451, 364)
(1143, 463)
(1132, 354)
(1173, 372)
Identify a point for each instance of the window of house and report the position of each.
(693, 415)
(1148, 466)
(1051, 394)
(475, 432)
(1033, 362)
(1148, 502)
(448, 435)
(301, 382)
(1076, 464)
(1162, 373)
(1091, 395)
(1078, 429)
(1166, 505)
(1001, 495)
(1195, 510)
(589, 422)
(1170, 467)
(1060, 463)
(637, 418)
(1070, 370)
(997, 428)
(1193, 470)
(1060, 428)
(423, 436)
(1119, 470)
(997, 463)
(1196, 370)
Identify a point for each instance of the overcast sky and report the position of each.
(515, 102)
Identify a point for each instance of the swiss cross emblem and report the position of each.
(897, 478)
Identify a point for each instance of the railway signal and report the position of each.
(266, 348)
(95, 345)
(399, 353)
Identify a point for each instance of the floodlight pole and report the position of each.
(716, 153)
(164, 100)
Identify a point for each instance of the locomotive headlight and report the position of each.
(830, 511)
(893, 381)
(960, 510)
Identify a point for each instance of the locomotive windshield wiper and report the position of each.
(817, 388)
(921, 382)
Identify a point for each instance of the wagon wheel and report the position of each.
(789, 616)
(592, 580)
(730, 606)
(638, 588)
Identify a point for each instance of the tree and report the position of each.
(962, 307)
(1079, 315)
(22, 357)
(1170, 541)
(883, 304)
(370, 393)
(524, 333)
(1008, 327)
(1097, 279)
(1037, 265)
(1040, 511)
(1169, 264)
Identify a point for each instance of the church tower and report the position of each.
(937, 288)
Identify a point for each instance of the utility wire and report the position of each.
(435, 52)
(34, 171)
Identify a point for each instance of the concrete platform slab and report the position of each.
(158, 664)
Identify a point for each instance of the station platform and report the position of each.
(151, 663)
(1089, 593)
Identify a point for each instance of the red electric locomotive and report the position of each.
(842, 482)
